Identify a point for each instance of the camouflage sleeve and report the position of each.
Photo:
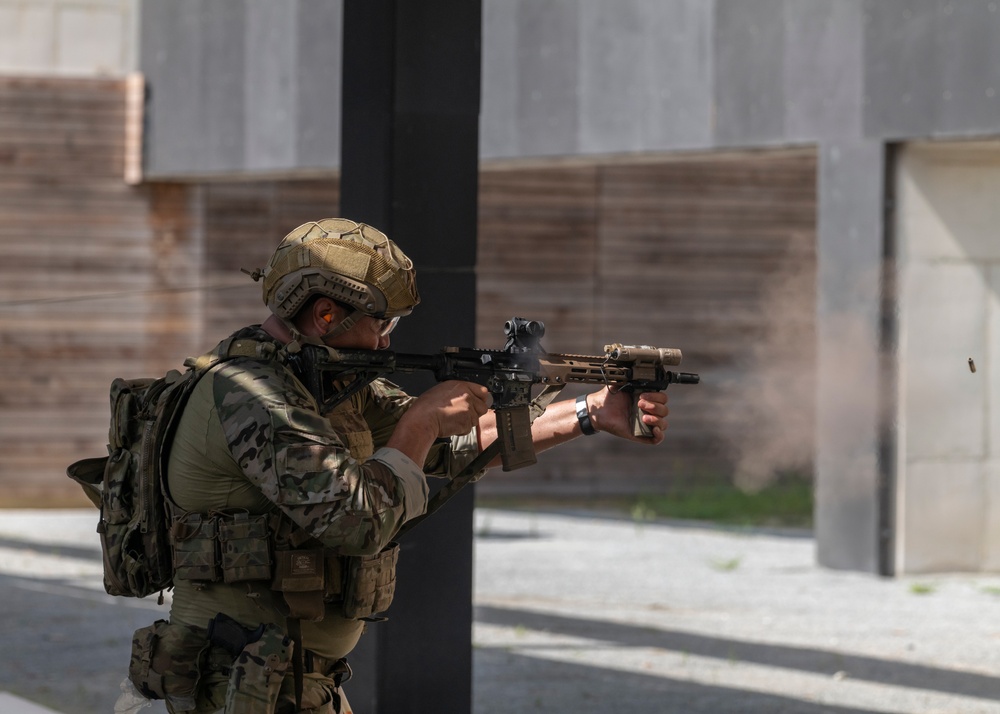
(446, 458)
(385, 408)
(294, 456)
(449, 458)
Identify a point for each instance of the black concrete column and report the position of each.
(409, 166)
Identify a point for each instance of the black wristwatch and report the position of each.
(582, 416)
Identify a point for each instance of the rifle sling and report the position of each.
(456, 484)
(294, 629)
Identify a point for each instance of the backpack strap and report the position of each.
(230, 348)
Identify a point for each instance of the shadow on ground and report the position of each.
(804, 659)
(65, 647)
(530, 687)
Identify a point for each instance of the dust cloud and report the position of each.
(771, 426)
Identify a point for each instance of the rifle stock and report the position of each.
(509, 374)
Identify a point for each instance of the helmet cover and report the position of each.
(345, 261)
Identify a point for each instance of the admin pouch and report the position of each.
(310, 578)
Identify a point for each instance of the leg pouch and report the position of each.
(370, 583)
(257, 673)
(166, 663)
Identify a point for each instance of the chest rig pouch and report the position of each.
(240, 547)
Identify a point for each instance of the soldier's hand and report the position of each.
(452, 407)
(446, 409)
(609, 412)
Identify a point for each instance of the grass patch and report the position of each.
(788, 503)
(726, 565)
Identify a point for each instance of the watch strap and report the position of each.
(583, 416)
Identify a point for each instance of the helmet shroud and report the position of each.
(352, 263)
(349, 262)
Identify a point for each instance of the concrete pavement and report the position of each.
(9, 704)
(581, 613)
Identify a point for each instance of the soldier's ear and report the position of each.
(325, 312)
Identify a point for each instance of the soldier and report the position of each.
(283, 516)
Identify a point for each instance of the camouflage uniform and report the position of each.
(251, 439)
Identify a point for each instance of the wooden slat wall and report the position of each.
(537, 254)
(92, 277)
(242, 224)
(100, 279)
(713, 254)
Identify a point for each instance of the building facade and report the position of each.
(796, 193)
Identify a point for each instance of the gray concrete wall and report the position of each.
(68, 37)
(849, 285)
(591, 77)
(253, 85)
(932, 68)
(242, 87)
(949, 276)
(561, 77)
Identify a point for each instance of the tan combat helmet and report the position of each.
(349, 262)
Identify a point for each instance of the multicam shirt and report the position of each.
(251, 438)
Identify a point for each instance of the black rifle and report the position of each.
(508, 373)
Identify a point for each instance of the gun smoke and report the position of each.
(770, 425)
